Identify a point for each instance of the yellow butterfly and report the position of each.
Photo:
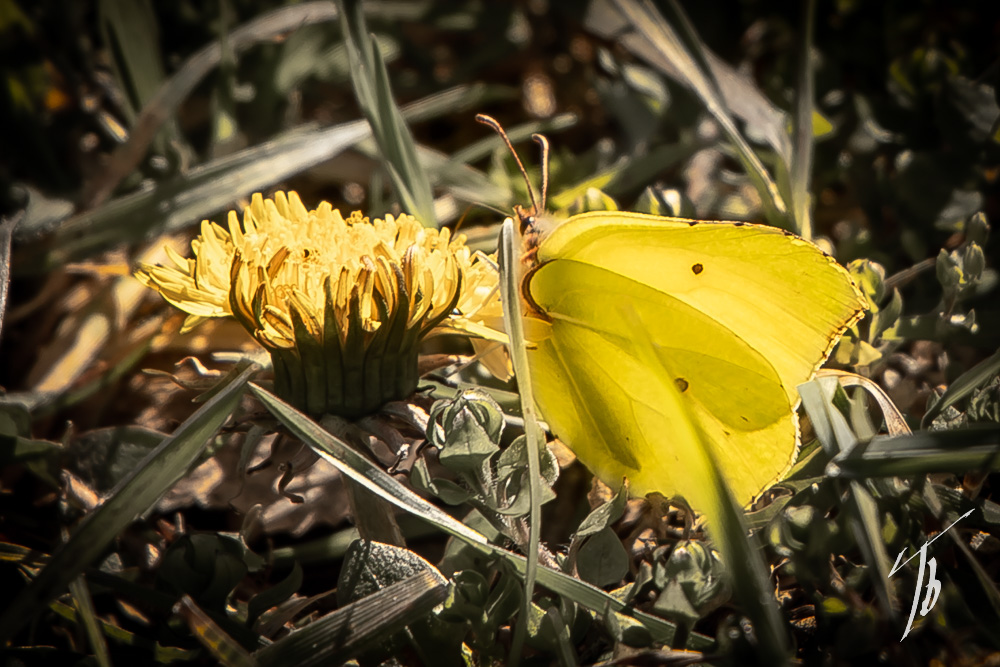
(738, 316)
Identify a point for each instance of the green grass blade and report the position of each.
(360, 469)
(371, 87)
(739, 93)
(867, 528)
(957, 451)
(510, 295)
(743, 558)
(212, 187)
(565, 650)
(836, 438)
(463, 182)
(130, 29)
(135, 495)
(987, 584)
(647, 21)
(964, 385)
(169, 96)
(159, 653)
(91, 624)
(483, 148)
(802, 158)
(202, 191)
(751, 582)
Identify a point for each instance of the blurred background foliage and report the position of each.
(127, 122)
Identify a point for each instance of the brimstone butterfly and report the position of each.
(737, 314)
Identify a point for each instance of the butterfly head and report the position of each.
(534, 222)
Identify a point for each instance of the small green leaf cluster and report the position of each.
(467, 433)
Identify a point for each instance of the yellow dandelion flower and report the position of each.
(340, 303)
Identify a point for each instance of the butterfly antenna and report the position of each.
(544, 143)
(492, 122)
(461, 219)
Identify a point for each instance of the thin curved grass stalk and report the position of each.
(894, 421)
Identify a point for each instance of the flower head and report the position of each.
(340, 303)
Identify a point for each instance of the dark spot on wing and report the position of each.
(682, 384)
(744, 419)
(697, 268)
(740, 224)
(692, 223)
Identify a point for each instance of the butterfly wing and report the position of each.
(737, 314)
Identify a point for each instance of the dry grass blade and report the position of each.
(358, 626)
(96, 330)
(895, 423)
(7, 226)
(135, 495)
(222, 647)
